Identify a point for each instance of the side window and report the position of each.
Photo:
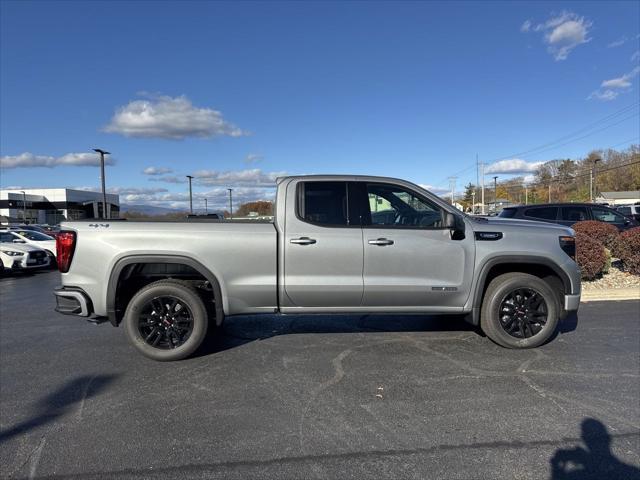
(609, 216)
(574, 214)
(394, 206)
(544, 213)
(323, 203)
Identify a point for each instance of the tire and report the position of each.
(519, 311)
(153, 309)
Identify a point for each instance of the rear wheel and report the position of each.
(166, 320)
(519, 311)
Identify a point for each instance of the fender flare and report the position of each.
(506, 260)
(123, 262)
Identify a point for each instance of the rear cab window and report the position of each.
(323, 203)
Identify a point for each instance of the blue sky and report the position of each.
(238, 93)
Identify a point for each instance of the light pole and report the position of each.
(206, 211)
(495, 193)
(190, 195)
(482, 178)
(104, 190)
(526, 194)
(24, 206)
(230, 202)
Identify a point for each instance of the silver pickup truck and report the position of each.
(338, 244)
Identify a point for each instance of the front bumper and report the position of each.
(571, 302)
(72, 301)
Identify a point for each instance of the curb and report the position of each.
(610, 294)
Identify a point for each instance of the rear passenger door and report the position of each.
(322, 247)
(573, 213)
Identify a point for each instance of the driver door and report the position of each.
(410, 259)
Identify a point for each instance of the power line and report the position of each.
(589, 126)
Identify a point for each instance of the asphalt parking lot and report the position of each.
(317, 397)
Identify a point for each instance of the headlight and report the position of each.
(11, 253)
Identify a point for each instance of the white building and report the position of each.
(53, 205)
(619, 198)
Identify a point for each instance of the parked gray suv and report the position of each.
(347, 244)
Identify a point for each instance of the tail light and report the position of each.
(65, 246)
(568, 244)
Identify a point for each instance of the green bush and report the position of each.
(590, 256)
(602, 232)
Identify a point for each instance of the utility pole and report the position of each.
(591, 185)
(230, 202)
(594, 183)
(190, 195)
(526, 194)
(206, 211)
(495, 193)
(473, 201)
(482, 179)
(549, 191)
(477, 172)
(24, 207)
(104, 190)
(452, 185)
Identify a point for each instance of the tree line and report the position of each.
(566, 180)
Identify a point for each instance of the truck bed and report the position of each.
(242, 253)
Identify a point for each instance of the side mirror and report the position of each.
(17, 240)
(449, 220)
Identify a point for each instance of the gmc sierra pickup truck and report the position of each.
(339, 244)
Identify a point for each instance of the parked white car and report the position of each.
(17, 256)
(33, 238)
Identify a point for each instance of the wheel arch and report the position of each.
(541, 267)
(115, 315)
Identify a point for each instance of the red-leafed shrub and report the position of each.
(604, 233)
(590, 256)
(628, 250)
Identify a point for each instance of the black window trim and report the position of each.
(525, 210)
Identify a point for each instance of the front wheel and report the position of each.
(166, 320)
(519, 311)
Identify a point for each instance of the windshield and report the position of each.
(6, 237)
(34, 236)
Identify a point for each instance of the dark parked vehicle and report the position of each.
(630, 211)
(569, 213)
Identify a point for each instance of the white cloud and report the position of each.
(174, 118)
(253, 158)
(27, 160)
(526, 26)
(250, 177)
(169, 179)
(513, 166)
(435, 190)
(623, 81)
(604, 95)
(562, 33)
(156, 170)
(635, 56)
(617, 43)
(610, 89)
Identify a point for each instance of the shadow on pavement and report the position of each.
(596, 461)
(240, 330)
(59, 402)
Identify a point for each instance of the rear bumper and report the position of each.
(571, 302)
(72, 301)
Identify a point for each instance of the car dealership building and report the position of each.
(53, 205)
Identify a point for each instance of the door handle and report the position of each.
(303, 241)
(381, 242)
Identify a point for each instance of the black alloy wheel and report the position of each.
(523, 313)
(165, 322)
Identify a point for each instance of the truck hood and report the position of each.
(491, 223)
